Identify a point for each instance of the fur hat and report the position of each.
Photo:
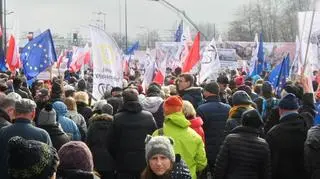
(173, 104)
(75, 155)
(31, 159)
(289, 102)
(159, 145)
(81, 97)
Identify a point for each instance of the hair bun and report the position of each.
(48, 107)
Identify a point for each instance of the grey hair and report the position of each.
(6, 102)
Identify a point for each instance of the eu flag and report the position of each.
(260, 56)
(279, 75)
(3, 67)
(131, 49)
(38, 54)
(178, 34)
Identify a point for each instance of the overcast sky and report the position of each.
(65, 16)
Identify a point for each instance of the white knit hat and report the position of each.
(159, 145)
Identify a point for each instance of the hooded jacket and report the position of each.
(67, 124)
(196, 125)
(154, 104)
(80, 122)
(4, 119)
(312, 152)
(193, 95)
(187, 142)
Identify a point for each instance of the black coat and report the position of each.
(4, 119)
(116, 102)
(58, 137)
(85, 111)
(312, 153)
(193, 95)
(97, 142)
(243, 155)
(214, 115)
(126, 137)
(286, 141)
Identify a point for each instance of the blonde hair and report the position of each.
(71, 103)
(81, 96)
(188, 110)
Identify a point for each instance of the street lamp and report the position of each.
(183, 14)
(100, 13)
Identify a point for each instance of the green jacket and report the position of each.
(187, 142)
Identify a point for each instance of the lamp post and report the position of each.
(100, 13)
(183, 14)
(126, 22)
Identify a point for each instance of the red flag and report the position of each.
(60, 59)
(159, 77)
(193, 56)
(80, 57)
(13, 59)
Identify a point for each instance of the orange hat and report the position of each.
(172, 104)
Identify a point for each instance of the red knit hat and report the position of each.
(239, 80)
(172, 104)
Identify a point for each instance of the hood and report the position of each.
(177, 119)
(4, 115)
(313, 139)
(60, 108)
(151, 104)
(196, 122)
(132, 106)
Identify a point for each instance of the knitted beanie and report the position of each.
(31, 159)
(173, 104)
(75, 155)
(159, 145)
(47, 116)
(289, 102)
(241, 98)
(252, 118)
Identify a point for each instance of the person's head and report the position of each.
(7, 104)
(172, 105)
(25, 108)
(160, 155)
(185, 81)
(266, 90)
(60, 108)
(56, 90)
(17, 82)
(239, 81)
(75, 156)
(47, 116)
(252, 118)
(223, 82)
(116, 91)
(69, 91)
(188, 110)
(211, 89)
(257, 88)
(30, 159)
(245, 88)
(71, 103)
(288, 103)
(82, 85)
(82, 97)
(130, 95)
(103, 107)
(241, 98)
(153, 90)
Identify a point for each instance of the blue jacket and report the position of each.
(23, 128)
(193, 95)
(317, 118)
(67, 124)
(214, 115)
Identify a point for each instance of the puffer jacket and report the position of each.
(196, 125)
(312, 153)
(180, 169)
(214, 115)
(243, 155)
(187, 142)
(235, 118)
(154, 104)
(193, 95)
(67, 124)
(126, 137)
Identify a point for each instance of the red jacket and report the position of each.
(196, 125)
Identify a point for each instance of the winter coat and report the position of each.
(234, 118)
(214, 115)
(272, 120)
(308, 104)
(85, 111)
(196, 125)
(23, 128)
(116, 102)
(154, 104)
(57, 136)
(67, 124)
(312, 153)
(80, 122)
(4, 119)
(187, 142)
(286, 142)
(243, 155)
(126, 137)
(97, 142)
(193, 95)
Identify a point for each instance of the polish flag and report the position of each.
(12, 56)
(193, 56)
(81, 56)
(60, 58)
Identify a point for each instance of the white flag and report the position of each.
(210, 63)
(149, 64)
(296, 64)
(254, 57)
(107, 63)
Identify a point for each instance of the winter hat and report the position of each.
(241, 98)
(47, 116)
(266, 88)
(24, 106)
(103, 107)
(81, 96)
(153, 90)
(75, 155)
(159, 145)
(251, 118)
(31, 159)
(173, 104)
(212, 87)
(289, 102)
(56, 88)
(245, 88)
(239, 80)
(60, 108)
(43, 92)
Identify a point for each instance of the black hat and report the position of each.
(115, 89)
(251, 118)
(241, 98)
(212, 87)
(266, 87)
(289, 102)
(245, 88)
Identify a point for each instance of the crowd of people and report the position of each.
(234, 127)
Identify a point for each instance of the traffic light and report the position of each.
(75, 38)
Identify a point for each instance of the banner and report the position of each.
(107, 63)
